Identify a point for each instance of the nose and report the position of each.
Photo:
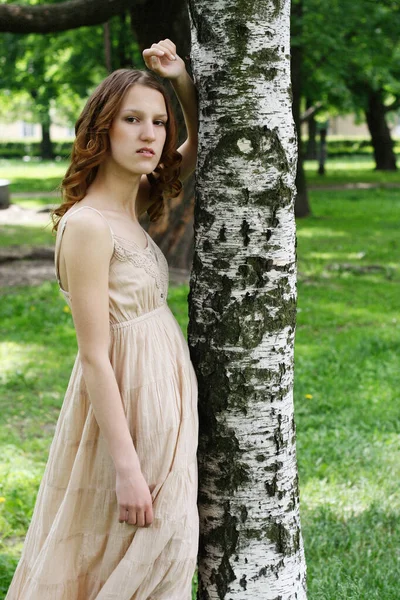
(147, 131)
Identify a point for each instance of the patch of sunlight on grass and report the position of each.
(327, 255)
(15, 356)
(356, 490)
(313, 232)
(342, 164)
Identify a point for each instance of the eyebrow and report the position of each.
(140, 112)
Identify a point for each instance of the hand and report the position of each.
(163, 60)
(134, 499)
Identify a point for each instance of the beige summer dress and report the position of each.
(75, 548)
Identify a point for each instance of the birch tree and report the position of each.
(242, 302)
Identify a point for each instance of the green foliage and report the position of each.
(348, 48)
(47, 77)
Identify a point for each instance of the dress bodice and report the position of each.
(138, 277)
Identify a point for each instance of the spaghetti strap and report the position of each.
(63, 222)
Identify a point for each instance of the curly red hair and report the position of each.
(92, 144)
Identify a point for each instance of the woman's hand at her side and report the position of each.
(163, 60)
(134, 498)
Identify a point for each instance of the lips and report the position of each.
(146, 151)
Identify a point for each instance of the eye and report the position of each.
(130, 119)
(162, 122)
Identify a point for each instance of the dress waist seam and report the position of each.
(142, 317)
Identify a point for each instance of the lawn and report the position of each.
(46, 176)
(347, 382)
(27, 177)
(354, 170)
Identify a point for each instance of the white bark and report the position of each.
(243, 300)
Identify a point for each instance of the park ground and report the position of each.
(347, 377)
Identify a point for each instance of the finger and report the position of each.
(132, 517)
(169, 45)
(149, 517)
(153, 52)
(140, 518)
(122, 514)
(166, 49)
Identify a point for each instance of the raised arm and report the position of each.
(159, 58)
(187, 95)
(87, 249)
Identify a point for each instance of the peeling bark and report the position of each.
(242, 302)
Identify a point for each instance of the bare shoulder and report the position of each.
(86, 230)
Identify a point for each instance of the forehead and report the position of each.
(144, 98)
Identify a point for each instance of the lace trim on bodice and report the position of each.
(153, 262)
(151, 259)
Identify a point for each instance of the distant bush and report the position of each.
(32, 149)
(341, 146)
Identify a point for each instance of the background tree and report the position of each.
(243, 303)
(350, 63)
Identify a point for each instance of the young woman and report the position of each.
(116, 513)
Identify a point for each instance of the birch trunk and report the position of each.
(243, 302)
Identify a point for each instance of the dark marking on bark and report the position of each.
(260, 457)
(243, 582)
(221, 234)
(201, 22)
(275, 466)
(281, 537)
(243, 513)
(272, 488)
(224, 537)
(244, 230)
(277, 7)
(221, 264)
(253, 270)
(207, 246)
(272, 568)
(271, 152)
(278, 436)
(234, 329)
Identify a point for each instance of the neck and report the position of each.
(114, 188)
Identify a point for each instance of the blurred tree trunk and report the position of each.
(152, 21)
(382, 142)
(46, 145)
(243, 303)
(311, 150)
(302, 207)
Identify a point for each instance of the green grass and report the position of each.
(341, 171)
(43, 176)
(346, 358)
(26, 235)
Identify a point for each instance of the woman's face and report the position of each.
(140, 123)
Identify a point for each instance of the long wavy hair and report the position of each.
(92, 144)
